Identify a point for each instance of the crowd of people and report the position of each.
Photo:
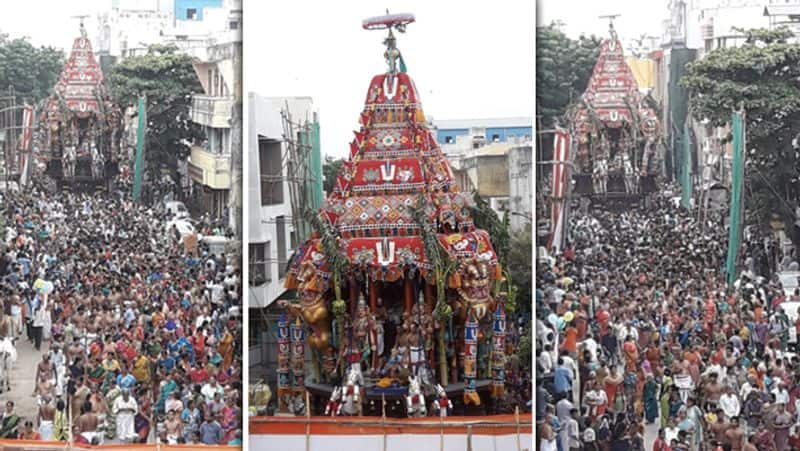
(637, 330)
(140, 335)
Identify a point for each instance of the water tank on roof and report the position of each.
(707, 29)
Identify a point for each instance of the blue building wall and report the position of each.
(502, 133)
(182, 6)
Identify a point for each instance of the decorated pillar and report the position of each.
(298, 355)
(498, 351)
(470, 361)
(284, 384)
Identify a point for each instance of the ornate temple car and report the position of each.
(618, 135)
(81, 127)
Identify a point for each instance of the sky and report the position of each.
(49, 22)
(637, 17)
(469, 58)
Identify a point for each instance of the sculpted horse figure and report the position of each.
(352, 391)
(415, 401)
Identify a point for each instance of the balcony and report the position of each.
(210, 169)
(212, 111)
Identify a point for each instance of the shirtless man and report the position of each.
(87, 422)
(45, 368)
(44, 387)
(713, 390)
(47, 412)
(735, 435)
(99, 404)
(174, 427)
(74, 350)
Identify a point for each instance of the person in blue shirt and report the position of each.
(562, 378)
(167, 362)
(125, 380)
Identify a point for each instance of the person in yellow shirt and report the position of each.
(110, 363)
(141, 369)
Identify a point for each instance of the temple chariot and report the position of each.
(79, 126)
(401, 300)
(617, 150)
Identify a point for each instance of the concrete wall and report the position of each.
(520, 186)
(491, 172)
(264, 121)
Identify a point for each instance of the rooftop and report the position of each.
(486, 122)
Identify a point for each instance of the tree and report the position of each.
(563, 69)
(167, 80)
(520, 267)
(330, 170)
(761, 77)
(31, 71)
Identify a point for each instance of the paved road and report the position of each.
(22, 380)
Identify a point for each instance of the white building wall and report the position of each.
(520, 186)
(264, 121)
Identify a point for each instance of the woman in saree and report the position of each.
(141, 369)
(60, 422)
(225, 347)
(168, 385)
(650, 402)
(230, 414)
(10, 423)
(695, 415)
(111, 417)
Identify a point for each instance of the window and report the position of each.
(210, 77)
(191, 14)
(215, 86)
(269, 162)
(259, 269)
(280, 233)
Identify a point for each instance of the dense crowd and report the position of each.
(636, 326)
(139, 333)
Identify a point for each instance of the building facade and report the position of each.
(273, 197)
(129, 27)
(209, 165)
(492, 157)
(273, 232)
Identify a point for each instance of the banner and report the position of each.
(25, 146)
(686, 168)
(138, 167)
(737, 184)
(561, 144)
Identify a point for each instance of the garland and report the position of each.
(442, 267)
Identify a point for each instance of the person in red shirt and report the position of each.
(660, 444)
(570, 343)
(198, 375)
(602, 318)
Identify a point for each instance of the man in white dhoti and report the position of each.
(47, 411)
(125, 407)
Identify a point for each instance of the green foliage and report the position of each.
(486, 218)
(167, 79)
(336, 260)
(563, 69)
(762, 78)
(520, 271)
(525, 351)
(330, 169)
(32, 71)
